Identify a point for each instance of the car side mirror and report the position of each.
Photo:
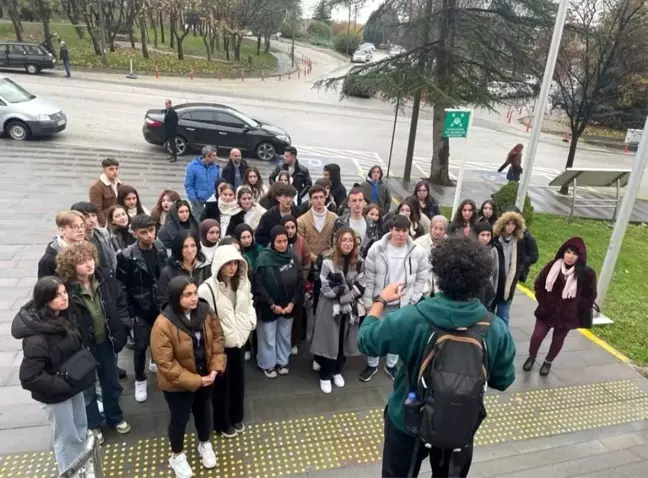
(246, 128)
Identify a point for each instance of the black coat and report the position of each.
(47, 263)
(46, 346)
(531, 254)
(300, 176)
(291, 286)
(139, 282)
(64, 53)
(211, 211)
(229, 173)
(170, 123)
(174, 268)
(270, 219)
(172, 227)
(507, 295)
(115, 308)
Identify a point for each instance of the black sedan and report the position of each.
(203, 124)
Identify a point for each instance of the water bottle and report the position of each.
(412, 409)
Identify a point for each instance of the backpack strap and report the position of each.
(211, 291)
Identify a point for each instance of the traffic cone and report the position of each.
(220, 75)
(191, 74)
(626, 149)
(566, 138)
(242, 75)
(157, 73)
(262, 76)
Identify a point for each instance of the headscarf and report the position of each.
(205, 226)
(443, 220)
(283, 221)
(269, 259)
(252, 251)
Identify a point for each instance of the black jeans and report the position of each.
(173, 147)
(229, 391)
(111, 389)
(398, 452)
(330, 367)
(181, 406)
(142, 336)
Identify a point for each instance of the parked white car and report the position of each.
(361, 56)
(368, 46)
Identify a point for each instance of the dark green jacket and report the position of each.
(406, 331)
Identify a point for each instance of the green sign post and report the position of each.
(456, 123)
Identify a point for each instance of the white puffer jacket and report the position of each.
(237, 320)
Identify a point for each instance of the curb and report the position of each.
(584, 332)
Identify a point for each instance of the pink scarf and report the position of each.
(571, 282)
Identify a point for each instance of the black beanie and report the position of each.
(483, 226)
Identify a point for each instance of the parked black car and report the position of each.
(203, 124)
(33, 57)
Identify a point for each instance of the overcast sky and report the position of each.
(343, 14)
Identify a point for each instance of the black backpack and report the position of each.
(450, 387)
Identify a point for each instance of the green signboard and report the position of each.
(456, 123)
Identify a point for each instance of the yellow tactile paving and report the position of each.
(295, 446)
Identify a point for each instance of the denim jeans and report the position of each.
(70, 427)
(392, 360)
(274, 342)
(111, 389)
(197, 208)
(66, 65)
(503, 310)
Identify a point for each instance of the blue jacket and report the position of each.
(200, 180)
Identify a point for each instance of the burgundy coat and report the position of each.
(564, 313)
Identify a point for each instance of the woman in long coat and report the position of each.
(565, 290)
(339, 308)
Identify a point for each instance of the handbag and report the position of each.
(587, 317)
(77, 367)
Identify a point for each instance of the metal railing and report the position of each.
(89, 461)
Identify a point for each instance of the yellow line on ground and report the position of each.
(584, 332)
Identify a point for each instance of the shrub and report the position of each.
(506, 196)
(287, 30)
(340, 42)
(319, 30)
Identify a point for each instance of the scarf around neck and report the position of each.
(228, 208)
(267, 262)
(571, 282)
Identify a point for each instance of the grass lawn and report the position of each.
(82, 53)
(626, 301)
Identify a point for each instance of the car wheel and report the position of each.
(266, 151)
(32, 69)
(181, 146)
(18, 130)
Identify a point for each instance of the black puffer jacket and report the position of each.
(300, 176)
(115, 309)
(138, 282)
(174, 268)
(46, 345)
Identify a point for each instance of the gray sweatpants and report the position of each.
(70, 427)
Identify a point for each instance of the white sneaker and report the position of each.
(338, 380)
(100, 407)
(180, 466)
(325, 386)
(294, 350)
(152, 367)
(123, 428)
(141, 394)
(316, 367)
(206, 452)
(248, 355)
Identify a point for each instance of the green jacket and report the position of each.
(406, 331)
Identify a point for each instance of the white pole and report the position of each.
(457, 198)
(131, 66)
(541, 106)
(625, 211)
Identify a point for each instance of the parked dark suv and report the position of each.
(203, 124)
(33, 57)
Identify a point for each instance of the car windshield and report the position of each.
(246, 119)
(13, 93)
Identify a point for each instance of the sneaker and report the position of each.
(239, 427)
(338, 380)
(248, 355)
(270, 373)
(294, 350)
(316, 367)
(325, 386)
(122, 373)
(283, 370)
(122, 428)
(141, 393)
(391, 371)
(528, 364)
(180, 466)
(152, 367)
(98, 435)
(229, 433)
(367, 373)
(206, 452)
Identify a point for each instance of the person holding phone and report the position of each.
(187, 344)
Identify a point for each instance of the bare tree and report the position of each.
(14, 14)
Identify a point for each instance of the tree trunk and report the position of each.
(440, 166)
(570, 157)
(93, 35)
(216, 41)
(154, 26)
(179, 47)
(237, 47)
(15, 19)
(172, 31)
(207, 48)
(161, 21)
(131, 36)
(266, 46)
(258, 46)
(226, 41)
(143, 32)
(44, 12)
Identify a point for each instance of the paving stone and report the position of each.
(26, 440)
(14, 395)
(633, 470)
(7, 359)
(640, 450)
(628, 440)
(25, 415)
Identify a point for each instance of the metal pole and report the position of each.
(457, 198)
(102, 27)
(541, 106)
(391, 148)
(623, 217)
(294, 32)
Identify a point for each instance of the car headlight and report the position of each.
(43, 118)
(283, 138)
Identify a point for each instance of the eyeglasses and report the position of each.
(77, 227)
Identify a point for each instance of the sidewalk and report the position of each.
(588, 415)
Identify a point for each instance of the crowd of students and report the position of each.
(241, 271)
